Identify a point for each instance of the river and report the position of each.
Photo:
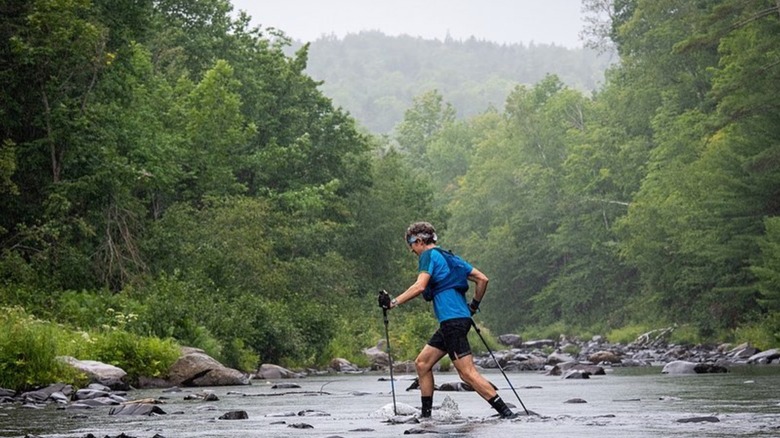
(627, 402)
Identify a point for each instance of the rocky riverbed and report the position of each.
(566, 358)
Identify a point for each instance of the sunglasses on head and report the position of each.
(411, 239)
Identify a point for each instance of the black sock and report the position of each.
(427, 405)
(500, 407)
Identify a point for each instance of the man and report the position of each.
(437, 280)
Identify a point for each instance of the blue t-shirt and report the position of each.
(449, 303)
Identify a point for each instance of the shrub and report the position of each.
(626, 334)
(138, 356)
(353, 333)
(764, 334)
(28, 351)
(685, 334)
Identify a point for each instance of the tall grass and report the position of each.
(28, 348)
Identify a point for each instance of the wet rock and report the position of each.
(86, 394)
(343, 365)
(401, 409)
(269, 371)
(558, 357)
(100, 401)
(554, 371)
(285, 386)
(312, 413)
(709, 368)
(699, 420)
(196, 368)
(680, 367)
(575, 400)
(765, 357)
(377, 355)
(743, 351)
(455, 386)
(283, 414)
(404, 419)
(234, 415)
(594, 370)
(136, 409)
(301, 426)
(59, 397)
(540, 343)
(604, 357)
(98, 372)
(511, 340)
(576, 374)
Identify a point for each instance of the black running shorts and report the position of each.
(452, 337)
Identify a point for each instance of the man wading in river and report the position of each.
(443, 278)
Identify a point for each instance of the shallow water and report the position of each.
(635, 402)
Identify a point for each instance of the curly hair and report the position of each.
(423, 231)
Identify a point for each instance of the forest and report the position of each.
(376, 77)
(171, 176)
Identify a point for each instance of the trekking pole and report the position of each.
(390, 359)
(479, 333)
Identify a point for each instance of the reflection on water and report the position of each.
(632, 402)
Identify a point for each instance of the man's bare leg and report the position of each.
(424, 364)
(469, 374)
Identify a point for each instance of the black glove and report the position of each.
(474, 306)
(384, 299)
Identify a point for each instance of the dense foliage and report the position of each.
(653, 202)
(168, 174)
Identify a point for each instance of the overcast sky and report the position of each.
(501, 21)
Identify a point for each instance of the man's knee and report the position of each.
(422, 365)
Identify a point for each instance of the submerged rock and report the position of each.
(699, 420)
(234, 415)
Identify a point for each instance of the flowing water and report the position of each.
(635, 402)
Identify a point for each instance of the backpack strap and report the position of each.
(457, 278)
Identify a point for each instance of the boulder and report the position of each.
(511, 340)
(558, 357)
(684, 367)
(679, 367)
(743, 351)
(764, 357)
(377, 356)
(604, 357)
(196, 368)
(269, 371)
(99, 372)
(342, 365)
